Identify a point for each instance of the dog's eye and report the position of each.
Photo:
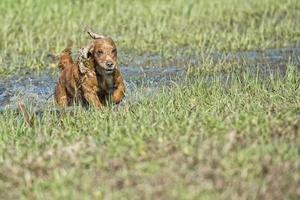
(99, 52)
(114, 51)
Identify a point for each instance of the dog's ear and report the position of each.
(82, 58)
(93, 35)
(90, 51)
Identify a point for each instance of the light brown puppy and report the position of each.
(94, 79)
(102, 55)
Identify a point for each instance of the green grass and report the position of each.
(203, 139)
(31, 29)
(207, 137)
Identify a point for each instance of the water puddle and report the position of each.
(263, 62)
(145, 76)
(37, 90)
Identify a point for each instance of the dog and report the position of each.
(102, 56)
(94, 79)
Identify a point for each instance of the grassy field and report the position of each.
(31, 29)
(206, 137)
(199, 140)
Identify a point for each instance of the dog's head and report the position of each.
(104, 52)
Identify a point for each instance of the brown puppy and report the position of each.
(94, 79)
(102, 55)
(73, 85)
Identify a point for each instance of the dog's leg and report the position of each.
(60, 96)
(92, 99)
(119, 93)
(90, 94)
(89, 88)
(117, 96)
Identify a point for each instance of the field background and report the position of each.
(31, 29)
(202, 138)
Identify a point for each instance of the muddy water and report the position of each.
(265, 62)
(144, 76)
(37, 90)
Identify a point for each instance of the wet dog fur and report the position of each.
(103, 58)
(94, 79)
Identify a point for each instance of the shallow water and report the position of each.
(37, 90)
(145, 75)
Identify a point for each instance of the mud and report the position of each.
(37, 90)
(145, 75)
(263, 62)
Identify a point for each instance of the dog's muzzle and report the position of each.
(110, 66)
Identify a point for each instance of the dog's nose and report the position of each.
(109, 64)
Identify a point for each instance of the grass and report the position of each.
(31, 29)
(199, 140)
(222, 133)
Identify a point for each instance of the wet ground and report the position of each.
(265, 62)
(37, 90)
(147, 74)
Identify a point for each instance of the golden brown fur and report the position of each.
(103, 54)
(94, 79)
(73, 86)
